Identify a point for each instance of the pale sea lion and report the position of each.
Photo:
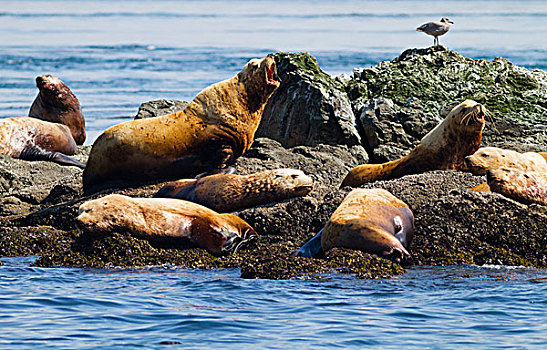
(164, 220)
(443, 148)
(492, 157)
(34, 139)
(217, 127)
(56, 103)
(524, 187)
(230, 192)
(370, 220)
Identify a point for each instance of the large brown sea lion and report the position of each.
(56, 103)
(522, 186)
(370, 220)
(217, 127)
(164, 220)
(36, 138)
(492, 157)
(443, 148)
(230, 192)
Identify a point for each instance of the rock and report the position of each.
(420, 82)
(309, 107)
(395, 106)
(158, 108)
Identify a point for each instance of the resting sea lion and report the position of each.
(443, 148)
(230, 192)
(56, 103)
(370, 220)
(217, 127)
(34, 139)
(164, 221)
(524, 187)
(492, 157)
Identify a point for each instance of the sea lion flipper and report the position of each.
(312, 248)
(227, 170)
(32, 152)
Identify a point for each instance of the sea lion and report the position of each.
(524, 187)
(230, 192)
(164, 220)
(34, 139)
(370, 220)
(443, 148)
(217, 127)
(56, 103)
(492, 157)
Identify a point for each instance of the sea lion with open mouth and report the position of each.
(216, 128)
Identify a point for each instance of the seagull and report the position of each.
(436, 28)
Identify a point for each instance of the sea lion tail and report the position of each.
(312, 248)
(37, 153)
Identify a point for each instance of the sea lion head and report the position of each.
(293, 183)
(56, 103)
(259, 77)
(102, 215)
(485, 158)
(470, 114)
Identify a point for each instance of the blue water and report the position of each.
(117, 54)
(434, 308)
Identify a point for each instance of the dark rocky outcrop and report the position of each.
(158, 108)
(395, 104)
(309, 107)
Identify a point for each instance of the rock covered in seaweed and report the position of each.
(453, 224)
(422, 82)
(309, 107)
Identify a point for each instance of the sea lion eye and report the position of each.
(397, 224)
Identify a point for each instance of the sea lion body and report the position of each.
(231, 192)
(217, 127)
(522, 186)
(164, 220)
(48, 133)
(492, 157)
(443, 148)
(56, 103)
(34, 139)
(370, 220)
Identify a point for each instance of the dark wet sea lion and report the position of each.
(370, 220)
(443, 148)
(217, 127)
(56, 103)
(524, 187)
(492, 157)
(164, 220)
(231, 192)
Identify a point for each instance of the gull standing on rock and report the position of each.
(436, 28)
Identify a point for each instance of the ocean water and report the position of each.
(117, 54)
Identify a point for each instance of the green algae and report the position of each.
(437, 76)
